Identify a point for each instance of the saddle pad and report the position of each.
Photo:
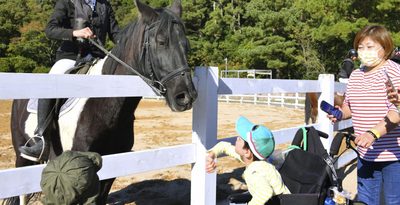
(71, 102)
(67, 106)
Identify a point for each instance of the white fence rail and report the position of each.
(295, 100)
(249, 73)
(203, 186)
(290, 100)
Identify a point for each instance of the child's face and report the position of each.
(239, 146)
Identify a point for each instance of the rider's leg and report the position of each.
(40, 150)
(62, 66)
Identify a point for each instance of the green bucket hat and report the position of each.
(71, 178)
(260, 138)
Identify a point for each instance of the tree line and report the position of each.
(297, 39)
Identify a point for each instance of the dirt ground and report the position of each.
(156, 126)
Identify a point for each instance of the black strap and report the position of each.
(41, 129)
(146, 80)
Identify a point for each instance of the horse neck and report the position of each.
(127, 50)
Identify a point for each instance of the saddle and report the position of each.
(83, 66)
(62, 106)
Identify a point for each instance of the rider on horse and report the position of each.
(72, 21)
(347, 66)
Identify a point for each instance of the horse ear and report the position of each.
(146, 12)
(176, 7)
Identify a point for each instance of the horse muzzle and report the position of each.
(182, 100)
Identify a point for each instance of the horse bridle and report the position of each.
(150, 64)
(158, 86)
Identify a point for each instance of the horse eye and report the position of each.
(161, 43)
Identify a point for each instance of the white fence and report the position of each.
(203, 186)
(293, 100)
(250, 73)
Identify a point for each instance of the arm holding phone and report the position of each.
(333, 111)
(393, 94)
(366, 139)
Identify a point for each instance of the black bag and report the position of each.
(304, 170)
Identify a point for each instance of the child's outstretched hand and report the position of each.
(210, 162)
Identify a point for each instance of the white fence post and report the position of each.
(326, 83)
(205, 111)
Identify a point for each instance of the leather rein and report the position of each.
(158, 86)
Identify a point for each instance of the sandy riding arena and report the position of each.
(156, 126)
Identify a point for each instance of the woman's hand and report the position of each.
(392, 94)
(211, 165)
(83, 33)
(365, 140)
(332, 118)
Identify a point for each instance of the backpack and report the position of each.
(305, 170)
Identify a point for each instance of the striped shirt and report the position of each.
(366, 96)
(262, 179)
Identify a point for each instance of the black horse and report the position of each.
(156, 47)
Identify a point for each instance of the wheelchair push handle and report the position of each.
(337, 141)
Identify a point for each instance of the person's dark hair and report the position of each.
(376, 33)
(247, 146)
(352, 53)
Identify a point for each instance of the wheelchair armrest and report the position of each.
(240, 198)
(299, 199)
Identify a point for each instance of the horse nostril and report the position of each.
(182, 99)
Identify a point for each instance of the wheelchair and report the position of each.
(308, 171)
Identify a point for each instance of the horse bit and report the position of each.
(157, 86)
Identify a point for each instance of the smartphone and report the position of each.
(390, 83)
(331, 110)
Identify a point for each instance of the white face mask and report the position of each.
(370, 58)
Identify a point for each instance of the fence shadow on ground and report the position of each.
(173, 192)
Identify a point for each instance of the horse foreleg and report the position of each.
(338, 99)
(307, 110)
(314, 114)
(23, 200)
(105, 187)
(311, 104)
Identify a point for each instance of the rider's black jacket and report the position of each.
(60, 27)
(347, 68)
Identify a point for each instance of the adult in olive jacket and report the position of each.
(72, 178)
(73, 22)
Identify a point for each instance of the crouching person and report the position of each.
(71, 178)
(254, 144)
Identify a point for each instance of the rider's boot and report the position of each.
(40, 150)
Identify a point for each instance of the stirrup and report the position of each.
(35, 159)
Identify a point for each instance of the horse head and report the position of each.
(163, 55)
(156, 47)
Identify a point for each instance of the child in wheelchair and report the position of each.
(254, 144)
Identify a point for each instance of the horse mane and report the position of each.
(131, 39)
